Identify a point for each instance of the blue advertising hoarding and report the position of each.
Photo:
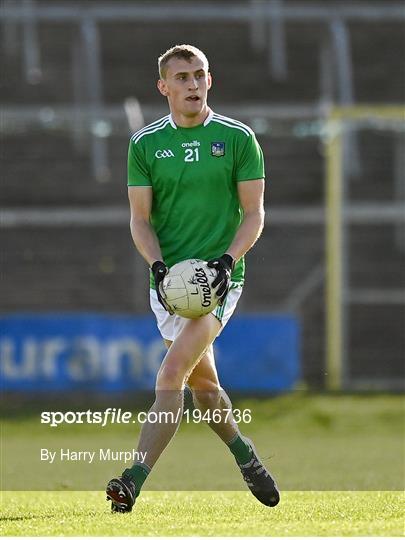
(62, 352)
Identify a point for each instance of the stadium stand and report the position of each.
(76, 269)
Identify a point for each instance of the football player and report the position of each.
(195, 186)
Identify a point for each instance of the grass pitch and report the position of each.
(204, 514)
(339, 461)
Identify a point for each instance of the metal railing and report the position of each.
(267, 19)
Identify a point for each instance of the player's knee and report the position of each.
(170, 377)
(208, 397)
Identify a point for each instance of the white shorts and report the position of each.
(170, 325)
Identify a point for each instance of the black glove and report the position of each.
(159, 271)
(224, 266)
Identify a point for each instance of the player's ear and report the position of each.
(162, 87)
(209, 80)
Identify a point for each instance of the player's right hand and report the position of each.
(224, 266)
(159, 271)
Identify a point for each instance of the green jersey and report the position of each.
(194, 174)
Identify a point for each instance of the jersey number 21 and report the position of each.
(191, 154)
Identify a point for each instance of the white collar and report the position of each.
(205, 123)
(209, 118)
(172, 123)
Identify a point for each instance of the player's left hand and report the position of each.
(224, 266)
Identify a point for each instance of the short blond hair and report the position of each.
(186, 52)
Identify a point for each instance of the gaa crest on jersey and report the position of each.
(159, 154)
(217, 149)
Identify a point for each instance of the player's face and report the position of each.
(186, 85)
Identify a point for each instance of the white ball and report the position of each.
(187, 288)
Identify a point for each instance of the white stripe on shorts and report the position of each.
(170, 325)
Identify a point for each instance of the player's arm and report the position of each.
(143, 235)
(251, 200)
(251, 197)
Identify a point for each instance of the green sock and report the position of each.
(139, 473)
(240, 449)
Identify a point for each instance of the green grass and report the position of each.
(204, 514)
(339, 461)
(318, 443)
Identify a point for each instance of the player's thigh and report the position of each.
(204, 376)
(191, 343)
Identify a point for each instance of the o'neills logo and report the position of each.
(202, 280)
(190, 144)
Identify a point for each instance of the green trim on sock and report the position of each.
(139, 473)
(241, 450)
